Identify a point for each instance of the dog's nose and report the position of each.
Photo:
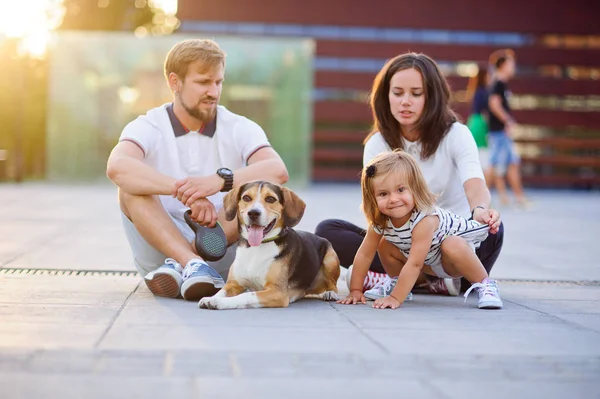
(253, 214)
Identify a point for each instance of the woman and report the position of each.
(477, 95)
(410, 105)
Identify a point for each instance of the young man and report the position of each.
(186, 154)
(504, 159)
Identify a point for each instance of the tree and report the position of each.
(115, 15)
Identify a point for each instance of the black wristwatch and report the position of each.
(473, 211)
(227, 175)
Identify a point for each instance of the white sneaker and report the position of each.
(166, 280)
(384, 288)
(487, 291)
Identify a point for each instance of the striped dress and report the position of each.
(450, 225)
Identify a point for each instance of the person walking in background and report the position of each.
(477, 95)
(503, 156)
(411, 111)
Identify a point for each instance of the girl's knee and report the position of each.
(387, 250)
(454, 246)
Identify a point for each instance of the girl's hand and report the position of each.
(387, 302)
(353, 298)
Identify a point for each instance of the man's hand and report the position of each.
(191, 189)
(204, 212)
(353, 298)
(491, 217)
(387, 302)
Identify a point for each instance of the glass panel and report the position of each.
(99, 82)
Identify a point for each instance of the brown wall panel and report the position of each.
(342, 112)
(353, 175)
(532, 16)
(344, 80)
(534, 55)
(519, 86)
(358, 136)
(354, 112)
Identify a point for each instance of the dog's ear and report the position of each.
(293, 207)
(231, 201)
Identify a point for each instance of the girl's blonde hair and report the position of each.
(396, 163)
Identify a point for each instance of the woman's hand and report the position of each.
(353, 298)
(387, 302)
(491, 217)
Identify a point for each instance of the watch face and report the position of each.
(224, 171)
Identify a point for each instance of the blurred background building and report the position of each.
(556, 93)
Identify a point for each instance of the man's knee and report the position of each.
(129, 201)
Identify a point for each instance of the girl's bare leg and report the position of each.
(458, 259)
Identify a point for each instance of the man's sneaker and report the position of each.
(200, 280)
(487, 291)
(443, 286)
(371, 280)
(383, 289)
(166, 280)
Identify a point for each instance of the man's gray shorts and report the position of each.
(146, 258)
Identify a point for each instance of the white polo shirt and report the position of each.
(172, 150)
(455, 161)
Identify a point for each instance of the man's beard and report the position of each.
(203, 116)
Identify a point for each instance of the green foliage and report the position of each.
(22, 114)
(115, 15)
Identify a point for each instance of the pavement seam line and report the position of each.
(563, 321)
(435, 389)
(361, 331)
(117, 314)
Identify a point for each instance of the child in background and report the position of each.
(399, 206)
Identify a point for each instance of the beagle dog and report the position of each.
(275, 263)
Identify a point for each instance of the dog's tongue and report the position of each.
(255, 235)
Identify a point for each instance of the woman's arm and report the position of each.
(479, 199)
(464, 155)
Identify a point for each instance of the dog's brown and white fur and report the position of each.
(277, 264)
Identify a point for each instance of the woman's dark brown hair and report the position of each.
(437, 116)
(477, 81)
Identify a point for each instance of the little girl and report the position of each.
(399, 206)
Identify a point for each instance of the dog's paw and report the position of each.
(209, 302)
(329, 296)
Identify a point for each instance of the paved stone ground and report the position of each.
(76, 322)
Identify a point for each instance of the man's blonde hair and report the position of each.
(393, 163)
(186, 52)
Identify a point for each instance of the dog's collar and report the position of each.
(282, 233)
